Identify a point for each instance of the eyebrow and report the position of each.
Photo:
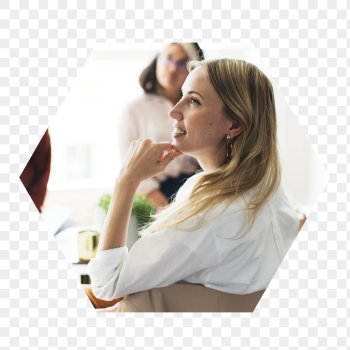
(194, 92)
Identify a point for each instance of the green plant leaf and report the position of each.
(105, 201)
(141, 207)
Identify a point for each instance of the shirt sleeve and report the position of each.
(157, 260)
(288, 222)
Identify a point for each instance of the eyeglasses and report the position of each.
(179, 64)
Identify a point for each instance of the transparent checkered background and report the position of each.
(305, 44)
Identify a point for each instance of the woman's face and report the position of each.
(169, 75)
(199, 113)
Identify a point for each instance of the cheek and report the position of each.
(203, 127)
(203, 133)
(159, 72)
(215, 128)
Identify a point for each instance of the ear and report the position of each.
(235, 130)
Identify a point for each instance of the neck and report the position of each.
(209, 162)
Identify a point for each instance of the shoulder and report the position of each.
(284, 210)
(233, 218)
(186, 188)
(194, 178)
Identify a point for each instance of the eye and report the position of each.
(195, 101)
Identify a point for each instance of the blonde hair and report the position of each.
(248, 101)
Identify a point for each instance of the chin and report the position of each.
(176, 147)
(180, 149)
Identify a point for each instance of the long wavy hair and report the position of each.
(249, 102)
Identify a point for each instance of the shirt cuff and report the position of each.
(102, 268)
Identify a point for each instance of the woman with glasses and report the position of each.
(147, 117)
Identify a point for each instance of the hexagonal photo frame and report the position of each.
(71, 174)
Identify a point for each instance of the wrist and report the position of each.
(127, 180)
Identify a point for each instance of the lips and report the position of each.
(176, 126)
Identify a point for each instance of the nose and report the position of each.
(172, 67)
(175, 112)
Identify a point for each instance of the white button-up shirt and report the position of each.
(208, 255)
(147, 117)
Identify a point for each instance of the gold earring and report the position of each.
(229, 147)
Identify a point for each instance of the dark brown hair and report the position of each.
(148, 79)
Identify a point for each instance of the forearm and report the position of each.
(114, 232)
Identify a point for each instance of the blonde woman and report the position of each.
(230, 225)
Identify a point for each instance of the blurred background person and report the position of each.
(146, 116)
(35, 175)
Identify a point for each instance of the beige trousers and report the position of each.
(186, 297)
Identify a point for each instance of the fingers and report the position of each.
(164, 145)
(160, 147)
(170, 157)
(167, 147)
